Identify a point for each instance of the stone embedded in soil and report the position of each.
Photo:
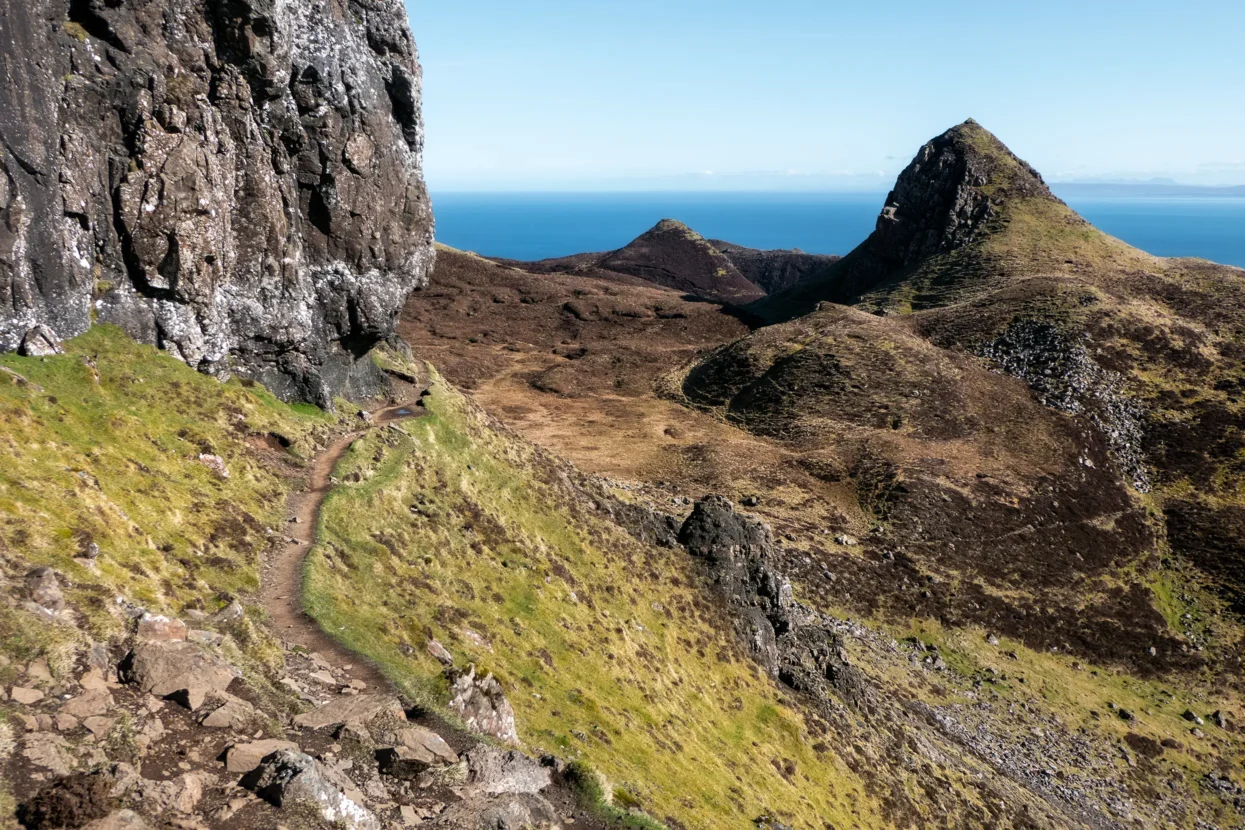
(89, 704)
(242, 758)
(120, 820)
(350, 710)
(43, 588)
(493, 771)
(27, 697)
(178, 670)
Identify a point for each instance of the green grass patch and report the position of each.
(610, 652)
(100, 450)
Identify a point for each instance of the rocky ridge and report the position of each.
(239, 183)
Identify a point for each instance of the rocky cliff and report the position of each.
(238, 182)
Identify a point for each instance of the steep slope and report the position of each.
(963, 216)
(775, 270)
(238, 183)
(1145, 352)
(673, 255)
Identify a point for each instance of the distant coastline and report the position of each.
(1144, 190)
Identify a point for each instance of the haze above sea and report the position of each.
(530, 226)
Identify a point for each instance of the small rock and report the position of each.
(1219, 720)
(206, 638)
(1192, 717)
(323, 677)
(242, 758)
(1197, 733)
(214, 463)
(66, 723)
(846, 541)
(43, 588)
(233, 713)
(154, 628)
(233, 612)
(99, 726)
(26, 697)
(441, 653)
(93, 681)
(120, 820)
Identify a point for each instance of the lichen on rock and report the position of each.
(239, 183)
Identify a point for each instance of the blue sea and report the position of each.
(529, 226)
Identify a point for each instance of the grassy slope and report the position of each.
(608, 651)
(110, 455)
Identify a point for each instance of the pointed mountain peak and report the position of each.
(965, 213)
(674, 255)
(951, 194)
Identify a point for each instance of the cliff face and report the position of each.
(238, 182)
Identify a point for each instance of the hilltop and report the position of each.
(672, 255)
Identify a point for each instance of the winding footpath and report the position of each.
(282, 590)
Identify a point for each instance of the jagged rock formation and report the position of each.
(962, 187)
(776, 270)
(238, 182)
(794, 643)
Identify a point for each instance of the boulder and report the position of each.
(508, 812)
(483, 707)
(43, 588)
(290, 778)
(178, 795)
(358, 709)
(492, 771)
(179, 671)
(242, 758)
(40, 341)
(414, 750)
(120, 820)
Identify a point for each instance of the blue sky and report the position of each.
(820, 94)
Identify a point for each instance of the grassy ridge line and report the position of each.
(610, 654)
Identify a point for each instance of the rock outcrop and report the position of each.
(239, 183)
(794, 643)
(774, 270)
(960, 188)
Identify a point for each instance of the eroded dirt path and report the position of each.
(282, 590)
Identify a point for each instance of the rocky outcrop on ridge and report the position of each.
(239, 183)
(774, 270)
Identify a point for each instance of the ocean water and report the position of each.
(529, 226)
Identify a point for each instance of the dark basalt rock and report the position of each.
(237, 182)
(794, 643)
(774, 270)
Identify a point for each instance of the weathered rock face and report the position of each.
(774, 270)
(794, 643)
(238, 182)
